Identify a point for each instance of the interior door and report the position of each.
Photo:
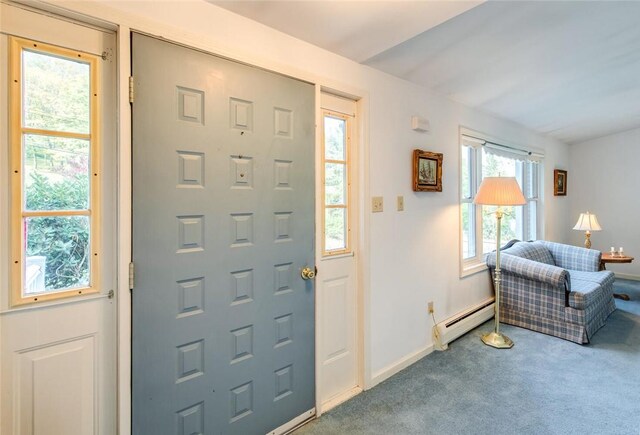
(57, 354)
(223, 224)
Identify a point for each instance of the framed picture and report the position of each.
(559, 182)
(427, 171)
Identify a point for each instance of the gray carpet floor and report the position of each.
(543, 385)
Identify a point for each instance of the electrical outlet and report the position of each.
(377, 204)
(430, 307)
(400, 203)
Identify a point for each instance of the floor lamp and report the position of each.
(500, 191)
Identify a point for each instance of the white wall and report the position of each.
(413, 254)
(604, 180)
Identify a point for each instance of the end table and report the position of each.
(608, 258)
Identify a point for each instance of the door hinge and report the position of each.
(131, 275)
(131, 94)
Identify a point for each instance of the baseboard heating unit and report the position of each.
(463, 322)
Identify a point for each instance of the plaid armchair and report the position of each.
(555, 289)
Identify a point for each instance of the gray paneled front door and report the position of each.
(223, 223)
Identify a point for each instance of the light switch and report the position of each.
(376, 204)
(400, 203)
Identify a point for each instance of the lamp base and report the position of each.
(497, 340)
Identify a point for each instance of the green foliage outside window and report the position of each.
(64, 241)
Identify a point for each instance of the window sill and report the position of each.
(471, 268)
(336, 256)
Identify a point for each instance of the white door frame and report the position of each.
(359, 206)
(100, 15)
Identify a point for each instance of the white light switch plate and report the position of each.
(400, 203)
(377, 204)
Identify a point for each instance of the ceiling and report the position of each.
(570, 70)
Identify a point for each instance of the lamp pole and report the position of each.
(495, 339)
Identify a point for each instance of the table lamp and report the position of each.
(498, 191)
(587, 222)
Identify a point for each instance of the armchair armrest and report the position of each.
(574, 257)
(553, 275)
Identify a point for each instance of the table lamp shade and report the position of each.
(499, 191)
(587, 222)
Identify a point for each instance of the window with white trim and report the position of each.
(55, 214)
(335, 182)
(480, 158)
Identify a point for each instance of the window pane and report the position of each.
(335, 183)
(497, 166)
(533, 217)
(334, 138)
(532, 181)
(56, 173)
(57, 256)
(56, 93)
(466, 173)
(468, 233)
(335, 225)
(511, 226)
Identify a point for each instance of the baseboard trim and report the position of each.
(340, 398)
(399, 365)
(295, 423)
(626, 276)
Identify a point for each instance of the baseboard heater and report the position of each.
(463, 322)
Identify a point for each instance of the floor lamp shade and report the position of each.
(498, 191)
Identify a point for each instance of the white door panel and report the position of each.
(337, 286)
(57, 359)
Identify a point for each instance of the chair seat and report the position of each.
(584, 293)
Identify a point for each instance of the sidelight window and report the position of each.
(54, 172)
(336, 141)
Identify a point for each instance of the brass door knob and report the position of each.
(308, 273)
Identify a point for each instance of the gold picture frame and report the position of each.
(559, 182)
(427, 171)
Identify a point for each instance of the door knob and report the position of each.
(308, 273)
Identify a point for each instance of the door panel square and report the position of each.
(190, 297)
(283, 278)
(241, 344)
(241, 172)
(282, 169)
(241, 114)
(190, 361)
(284, 382)
(284, 330)
(190, 233)
(241, 286)
(283, 123)
(241, 229)
(284, 226)
(191, 420)
(190, 169)
(241, 398)
(190, 105)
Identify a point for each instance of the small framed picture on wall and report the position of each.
(427, 171)
(559, 182)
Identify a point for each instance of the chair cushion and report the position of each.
(586, 293)
(534, 251)
(604, 278)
